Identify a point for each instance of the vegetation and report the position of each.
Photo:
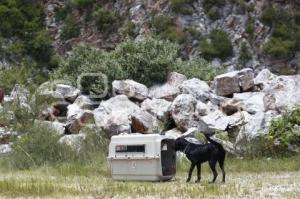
(219, 45)
(285, 39)
(71, 28)
(165, 27)
(82, 3)
(284, 134)
(245, 55)
(105, 19)
(182, 6)
(211, 8)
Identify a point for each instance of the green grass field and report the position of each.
(257, 178)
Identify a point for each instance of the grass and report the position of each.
(278, 178)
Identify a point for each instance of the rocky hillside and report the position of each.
(232, 33)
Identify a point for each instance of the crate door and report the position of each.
(168, 157)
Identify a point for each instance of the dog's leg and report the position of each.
(190, 172)
(198, 173)
(221, 163)
(212, 164)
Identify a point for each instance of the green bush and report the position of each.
(283, 137)
(198, 68)
(71, 28)
(211, 8)
(82, 3)
(219, 46)
(165, 27)
(182, 6)
(105, 19)
(38, 147)
(214, 13)
(245, 55)
(279, 48)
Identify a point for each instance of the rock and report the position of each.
(68, 92)
(4, 136)
(234, 82)
(231, 106)
(197, 88)
(130, 88)
(246, 77)
(81, 102)
(214, 121)
(173, 133)
(5, 149)
(143, 122)
(175, 79)
(183, 108)
(252, 102)
(74, 141)
(263, 77)
(227, 84)
(21, 95)
(79, 121)
(282, 93)
(57, 127)
(114, 115)
(201, 109)
(170, 89)
(160, 108)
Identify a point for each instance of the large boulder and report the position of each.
(82, 102)
(130, 88)
(114, 115)
(143, 122)
(252, 102)
(197, 88)
(68, 92)
(160, 108)
(234, 82)
(214, 121)
(78, 121)
(183, 109)
(170, 89)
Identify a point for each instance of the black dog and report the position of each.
(199, 153)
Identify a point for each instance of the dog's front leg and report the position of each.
(198, 173)
(190, 172)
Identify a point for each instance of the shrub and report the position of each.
(182, 6)
(82, 3)
(250, 27)
(245, 55)
(166, 28)
(198, 68)
(283, 137)
(214, 14)
(105, 19)
(219, 46)
(129, 29)
(71, 28)
(279, 48)
(211, 8)
(38, 147)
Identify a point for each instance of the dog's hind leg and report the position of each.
(198, 173)
(221, 163)
(190, 172)
(212, 164)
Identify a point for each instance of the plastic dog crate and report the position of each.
(146, 157)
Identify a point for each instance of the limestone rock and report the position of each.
(160, 108)
(197, 88)
(130, 88)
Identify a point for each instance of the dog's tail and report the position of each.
(220, 146)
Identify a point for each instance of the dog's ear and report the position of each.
(189, 133)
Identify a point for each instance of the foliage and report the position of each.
(105, 19)
(129, 29)
(279, 48)
(219, 45)
(245, 55)
(71, 28)
(38, 147)
(182, 6)
(211, 8)
(165, 27)
(198, 68)
(82, 3)
(284, 134)
(23, 22)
